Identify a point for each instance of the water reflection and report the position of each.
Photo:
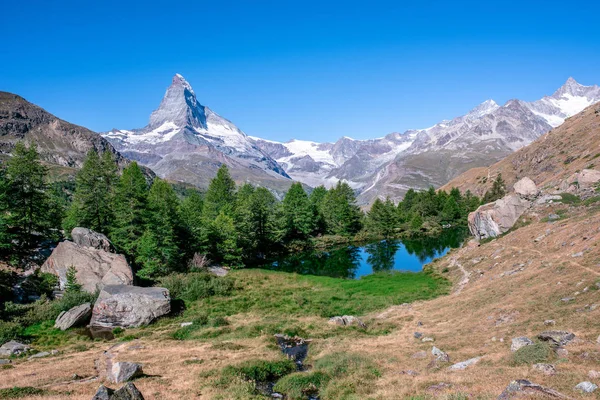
(386, 255)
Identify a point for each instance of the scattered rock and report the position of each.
(427, 339)
(546, 369)
(129, 306)
(562, 353)
(4, 361)
(78, 315)
(493, 219)
(439, 387)
(526, 188)
(519, 342)
(549, 322)
(440, 355)
(410, 372)
(420, 354)
(594, 374)
(103, 393)
(217, 270)
(347, 320)
(13, 348)
(464, 364)
(184, 324)
(524, 387)
(39, 355)
(586, 387)
(127, 392)
(295, 348)
(95, 268)
(419, 323)
(417, 335)
(557, 338)
(567, 299)
(124, 371)
(553, 217)
(88, 238)
(578, 254)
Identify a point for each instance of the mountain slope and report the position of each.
(186, 141)
(60, 143)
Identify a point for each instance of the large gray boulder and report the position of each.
(78, 315)
(125, 371)
(127, 392)
(520, 342)
(526, 189)
(13, 348)
(493, 219)
(129, 306)
(556, 338)
(95, 268)
(88, 238)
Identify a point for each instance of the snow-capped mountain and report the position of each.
(391, 165)
(186, 141)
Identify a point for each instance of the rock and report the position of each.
(95, 268)
(78, 315)
(217, 270)
(124, 371)
(588, 178)
(13, 348)
(103, 393)
(578, 254)
(427, 339)
(420, 354)
(39, 355)
(347, 320)
(493, 219)
(88, 238)
(127, 392)
(440, 355)
(417, 335)
(586, 387)
(567, 299)
(464, 364)
(522, 387)
(546, 369)
(526, 188)
(562, 353)
(549, 322)
(4, 361)
(410, 372)
(129, 306)
(592, 374)
(439, 387)
(520, 342)
(557, 338)
(548, 198)
(184, 324)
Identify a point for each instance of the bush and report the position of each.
(300, 385)
(9, 331)
(261, 370)
(568, 198)
(533, 354)
(196, 285)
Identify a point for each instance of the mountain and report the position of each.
(61, 144)
(389, 166)
(186, 141)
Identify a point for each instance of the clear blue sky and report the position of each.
(282, 69)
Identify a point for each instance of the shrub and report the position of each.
(568, 198)
(261, 370)
(17, 392)
(533, 354)
(300, 385)
(197, 285)
(9, 331)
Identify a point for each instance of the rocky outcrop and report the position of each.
(13, 348)
(77, 315)
(520, 342)
(88, 238)
(95, 268)
(493, 219)
(125, 371)
(464, 364)
(126, 392)
(347, 320)
(129, 306)
(556, 338)
(523, 387)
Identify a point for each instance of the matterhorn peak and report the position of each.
(179, 106)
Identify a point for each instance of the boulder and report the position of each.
(103, 393)
(125, 371)
(587, 178)
(523, 387)
(88, 238)
(440, 355)
(129, 306)
(347, 320)
(13, 348)
(526, 189)
(586, 387)
(127, 392)
(95, 268)
(546, 369)
(464, 364)
(39, 355)
(78, 315)
(493, 219)
(592, 374)
(4, 361)
(520, 342)
(556, 338)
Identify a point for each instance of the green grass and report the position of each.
(568, 198)
(533, 354)
(260, 370)
(18, 392)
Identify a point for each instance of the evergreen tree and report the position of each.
(130, 210)
(342, 215)
(256, 220)
(298, 214)
(220, 195)
(193, 223)
(161, 234)
(317, 197)
(451, 211)
(382, 218)
(72, 285)
(28, 201)
(5, 235)
(497, 191)
(223, 240)
(92, 205)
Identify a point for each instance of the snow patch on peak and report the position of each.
(482, 109)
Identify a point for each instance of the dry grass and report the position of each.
(514, 285)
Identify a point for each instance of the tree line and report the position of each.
(159, 231)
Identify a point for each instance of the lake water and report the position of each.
(354, 261)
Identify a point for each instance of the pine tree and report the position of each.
(497, 191)
(256, 221)
(194, 225)
(28, 202)
(382, 218)
(223, 238)
(5, 235)
(131, 211)
(317, 197)
(72, 285)
(161, 233)
(92, 205)
(220, 195)
(298, 214)
(342, 215)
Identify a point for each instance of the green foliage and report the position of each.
(260, 370)
(341, 214)
(223, 241)
(299, 385)
(533, 354)
(5, 234)
(298, 213)
(72, 285)
(196, 285)
(382, 219)
(9, 330)
(193, 223)
(17, 392)
(497, 191)
(220, 196)
(568, 198)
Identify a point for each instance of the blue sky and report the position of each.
(313, 70)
